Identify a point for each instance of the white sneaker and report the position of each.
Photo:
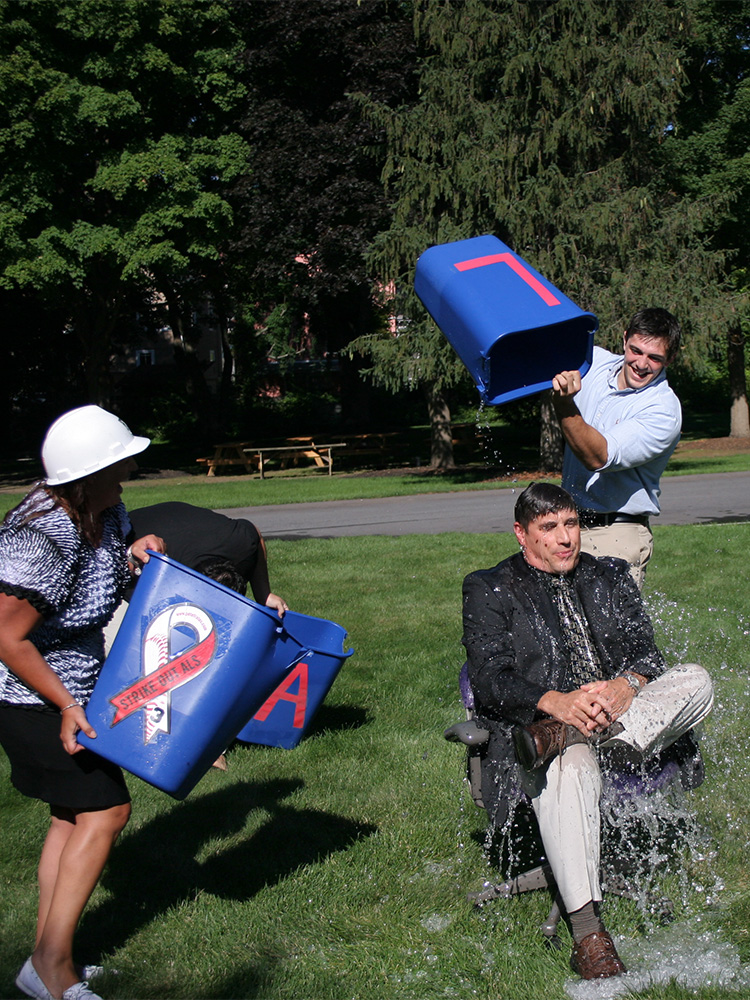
(80, 991)
(29, 982)
(89, 972)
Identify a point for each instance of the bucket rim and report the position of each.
(162, 557)
(339, 654)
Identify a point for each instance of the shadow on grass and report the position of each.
(154, 868)
(465, 476)
(337, 718)
(329, 719)
(248, 981)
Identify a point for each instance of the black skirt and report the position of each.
(40, 768)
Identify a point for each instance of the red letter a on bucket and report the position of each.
(282, 693)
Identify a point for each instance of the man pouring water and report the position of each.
(621, 423)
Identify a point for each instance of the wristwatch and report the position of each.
(632, 680)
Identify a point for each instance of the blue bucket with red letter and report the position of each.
(512, 329)
(312, 652)
(191, 663)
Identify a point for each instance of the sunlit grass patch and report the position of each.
(340, 869)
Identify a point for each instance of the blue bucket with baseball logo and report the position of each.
(511, 327)
(191, 663)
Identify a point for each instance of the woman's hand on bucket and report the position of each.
(277, 603)
(73, 720)
(137, 554)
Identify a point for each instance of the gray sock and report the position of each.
(585, 921)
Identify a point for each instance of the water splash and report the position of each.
(490, 453)
(436, 922)
(676, 833)
(692, 954)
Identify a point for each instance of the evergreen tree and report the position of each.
(543, 123)
(708, 159)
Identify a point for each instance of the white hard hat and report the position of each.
(86, 440)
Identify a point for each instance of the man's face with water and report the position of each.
(551, 542)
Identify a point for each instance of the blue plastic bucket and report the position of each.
(311, 652)
(192, 661)
(512, 329)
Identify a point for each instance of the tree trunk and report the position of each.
(550, 438)
(441, 432)
(94, 323)
(739, 418)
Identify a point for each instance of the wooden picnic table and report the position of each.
(252, 456)
(321, 454)
(371, 443)
(229, 453)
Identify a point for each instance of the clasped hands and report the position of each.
(593, 707)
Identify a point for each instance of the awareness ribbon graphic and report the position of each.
(162, 674)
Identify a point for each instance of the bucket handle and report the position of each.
(298, 658)
(309, 650)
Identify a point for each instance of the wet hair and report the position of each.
(540, 499)
(657, 323)
(222, 571)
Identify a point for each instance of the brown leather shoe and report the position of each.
(537, 743)
(596, 957)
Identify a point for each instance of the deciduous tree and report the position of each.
(313, 202)
(116, 146)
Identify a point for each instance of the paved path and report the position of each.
(684, 500)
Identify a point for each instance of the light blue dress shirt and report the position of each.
(641, 427)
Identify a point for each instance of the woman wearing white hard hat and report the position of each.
(63, 567)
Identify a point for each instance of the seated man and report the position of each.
(565, 670)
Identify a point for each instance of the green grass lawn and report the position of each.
(303, 486)
(340, 869)
(244, 491)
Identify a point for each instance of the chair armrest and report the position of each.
(470, 733)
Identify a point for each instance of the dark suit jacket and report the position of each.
(516, 652)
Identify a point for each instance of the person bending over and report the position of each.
(195, 534)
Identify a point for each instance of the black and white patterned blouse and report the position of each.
(77, 587)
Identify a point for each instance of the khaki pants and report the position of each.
(626, 540)
(566, 794)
